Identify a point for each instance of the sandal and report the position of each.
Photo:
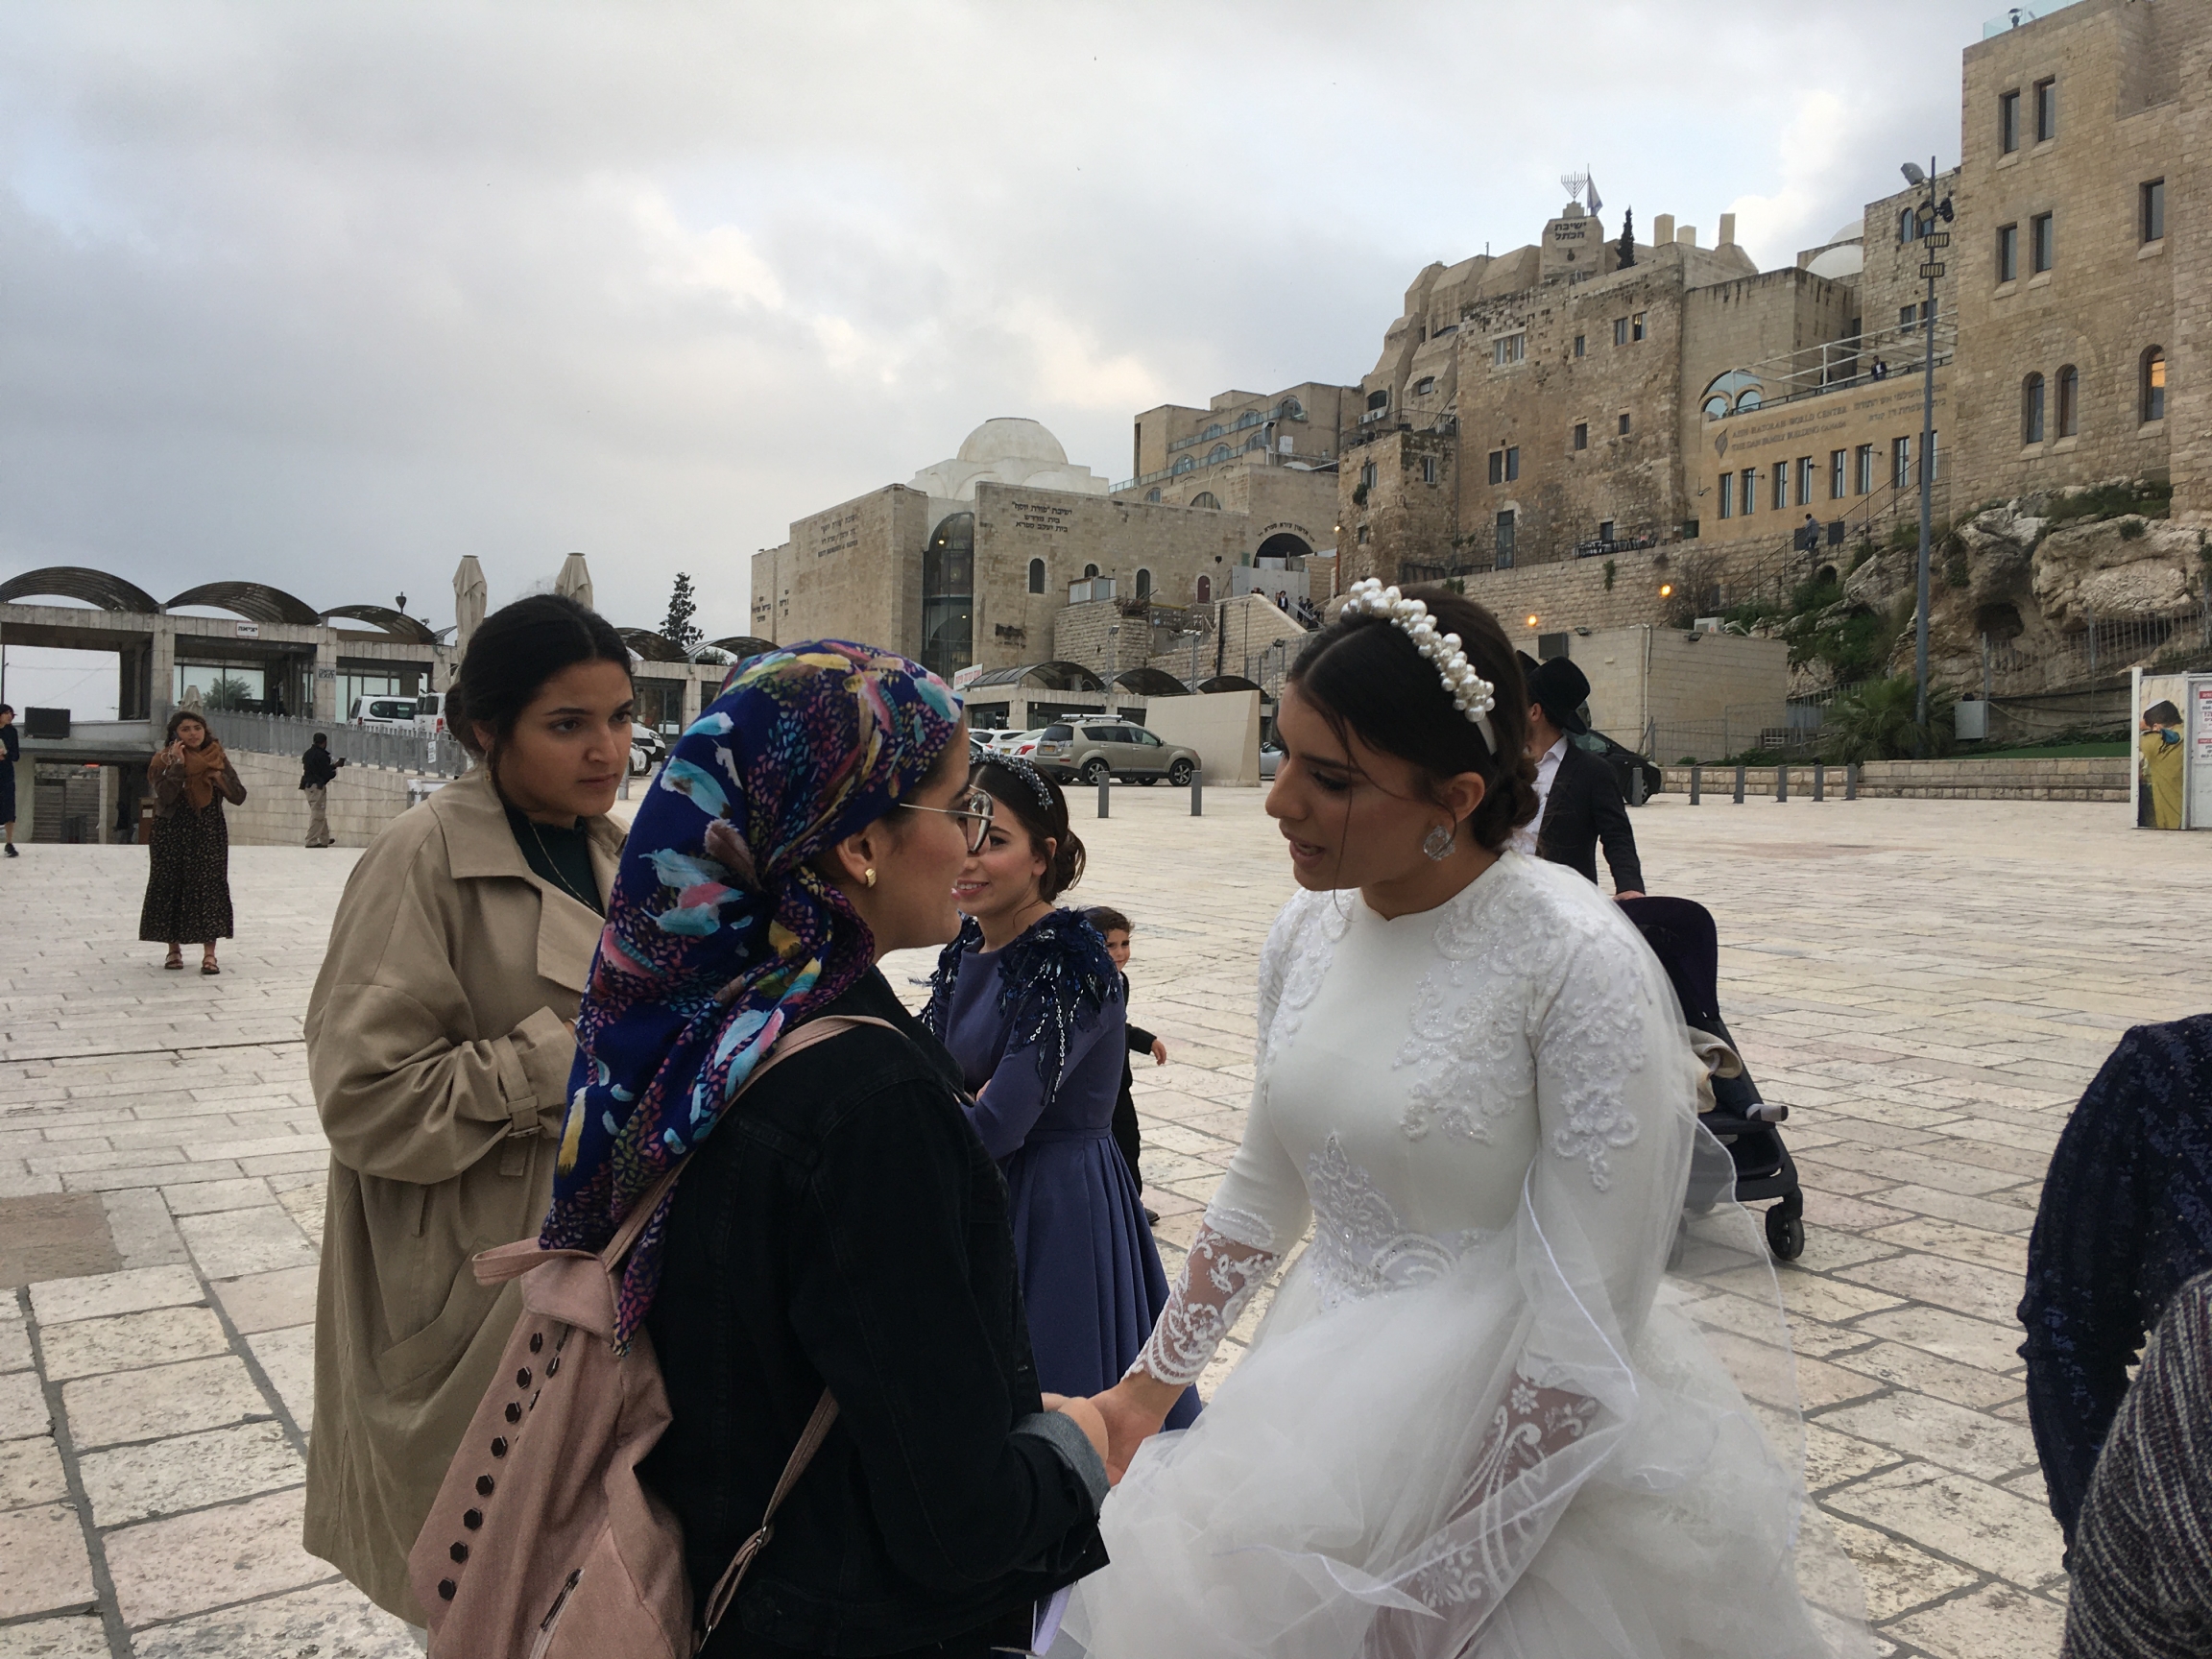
(208, 965)
(175, 960)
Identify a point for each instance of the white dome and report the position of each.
(1010, 438)
(1848, 232)
(1845, 259)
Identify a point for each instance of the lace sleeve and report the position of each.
(1219, 1278)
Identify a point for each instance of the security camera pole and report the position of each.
(1931, 268)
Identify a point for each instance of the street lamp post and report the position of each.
(1114, 665)
(1931, 241)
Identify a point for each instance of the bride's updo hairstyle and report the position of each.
(1037, 804)
(1364, 676)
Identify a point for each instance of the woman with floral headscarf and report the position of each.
(842, 1226)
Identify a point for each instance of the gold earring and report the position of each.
(868, 878)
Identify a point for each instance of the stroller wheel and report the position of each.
(1784, 1234)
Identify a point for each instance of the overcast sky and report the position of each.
(329, 295)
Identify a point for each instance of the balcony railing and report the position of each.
(1313, 460)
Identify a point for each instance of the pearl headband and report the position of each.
(1471, 694)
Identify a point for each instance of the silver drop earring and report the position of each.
(1441, 840)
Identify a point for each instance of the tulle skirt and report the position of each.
(1318, 1509)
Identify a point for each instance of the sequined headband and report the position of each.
(1471, 694)
(1028, 774)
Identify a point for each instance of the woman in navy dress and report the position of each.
(1031, 1009)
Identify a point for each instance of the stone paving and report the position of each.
(1926, 985)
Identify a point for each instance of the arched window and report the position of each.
(1250, 417)
(1036, 575)
(1378, 398)
(1183, 463)
(1144, 584)
(1255, 442)
(1715, 408)
(1206, 498)
(1205, 589)
(1424, 385)
(1213, 431)
(2032, 409)
(1089, 571)
(1291, 410)
(2153, 396)
(2069, 402)
(1220, 452)
(1908, 225)
(1737, 389)
(1747, 401)
(1152, 496)
(947, 596)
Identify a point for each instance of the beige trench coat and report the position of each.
(439, 1049)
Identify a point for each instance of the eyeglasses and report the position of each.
(973, 813)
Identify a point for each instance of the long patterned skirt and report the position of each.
(188, 887)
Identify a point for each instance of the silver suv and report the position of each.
(1088, 751)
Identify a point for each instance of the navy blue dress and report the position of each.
(1043, 1024)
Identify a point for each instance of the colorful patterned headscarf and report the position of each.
(719, 935)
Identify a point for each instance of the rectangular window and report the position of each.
(1835, 491)
(1863, 466)
(2046, 112)
(1367, 475)
(2154, 225)
(1428, 469)
(1623, 426)
(1636, 326)
(1905, 316)
(1578, 345)
(1605, 531)
(1728, 494)
(2008, 253)
(1620, 331)
(2042, 241)
(2008, 122)
(1362, 536)
(1496, 466)
(1505, 558)
(1751, 483)
(1781, 485)
(1581, 434)
(1512, 464)
(1804, 480)
(1901, 462)
(1934, 456)
(1508, 348)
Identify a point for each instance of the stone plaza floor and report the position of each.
(1926, 985)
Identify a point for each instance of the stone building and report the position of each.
(2083, 142)
(968, 567)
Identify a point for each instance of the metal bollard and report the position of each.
(1197, 794)
(1696, 777)
(1738, 785)
(1851, 781)
(1104, 785)
(1782, 782)
(1819, 781)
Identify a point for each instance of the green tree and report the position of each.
(683, 606)
(1627, 239)
(1874, 722)
(227, 693)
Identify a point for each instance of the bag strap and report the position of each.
(791, 1042)
(732, 1575)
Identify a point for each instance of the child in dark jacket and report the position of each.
(1114, 927)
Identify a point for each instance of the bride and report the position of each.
(1479, 1418)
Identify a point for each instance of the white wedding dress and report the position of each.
(1480, 1417)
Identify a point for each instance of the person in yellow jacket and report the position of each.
(2160, 746)
(440, 1038)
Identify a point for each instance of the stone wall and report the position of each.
(1891, 279)
(363, 800)
(852, 572)
(1396, 492)
(2079, 778)
(2188, 391)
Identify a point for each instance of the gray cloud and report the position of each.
(330, 296)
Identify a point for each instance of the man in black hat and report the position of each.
(1578, 803)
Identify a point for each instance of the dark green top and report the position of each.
(560, 857)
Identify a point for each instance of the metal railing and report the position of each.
(437, 755)
(1310, 460)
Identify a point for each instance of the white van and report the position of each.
(430, 713)
(388, 712)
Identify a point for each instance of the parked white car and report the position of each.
(1012, 742)
(391, 714)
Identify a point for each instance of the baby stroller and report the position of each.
(1681, 935)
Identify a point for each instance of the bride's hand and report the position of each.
(1085, 1416)
(1132, 1411)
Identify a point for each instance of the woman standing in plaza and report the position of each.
(440, 1038)
(1469, 1424)
(1031, 1005)
(188, 874)
(837, 1230)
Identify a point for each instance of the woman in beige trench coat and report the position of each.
(439, 1037)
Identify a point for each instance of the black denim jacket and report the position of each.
(845, 1226)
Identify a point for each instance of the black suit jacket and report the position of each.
(1583, 808)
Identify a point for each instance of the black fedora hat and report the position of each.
(1560, 690)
